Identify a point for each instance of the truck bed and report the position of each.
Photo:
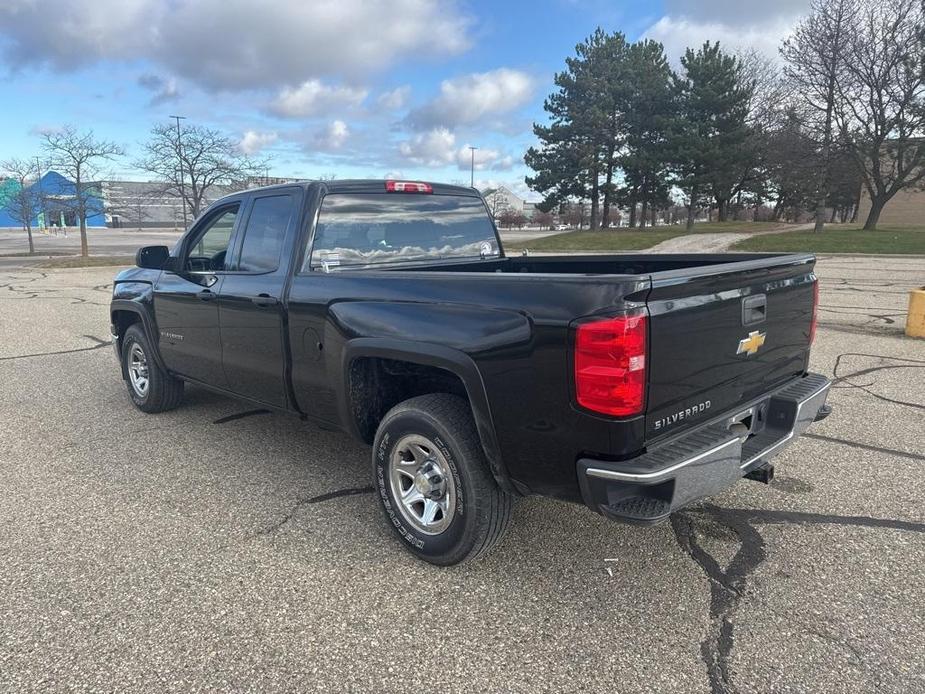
(598, 264)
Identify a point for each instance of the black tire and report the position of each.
(481, 512)
(163, 391)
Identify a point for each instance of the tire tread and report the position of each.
(493, 505)
(164, 391)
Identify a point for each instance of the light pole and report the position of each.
(472, 167)
(180, 160)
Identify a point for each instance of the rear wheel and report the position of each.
(151, 388)
(434, 483)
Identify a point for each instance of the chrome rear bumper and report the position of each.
(704, 461)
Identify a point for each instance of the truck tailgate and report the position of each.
(724, 335)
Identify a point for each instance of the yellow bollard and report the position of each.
(915, 321)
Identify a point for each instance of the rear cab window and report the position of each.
(369, 229)
(266, 229)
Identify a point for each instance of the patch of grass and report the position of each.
(633, 239)
(837, 239)
(611, 240)
(89, 261)
(735, 227)
(27, 254)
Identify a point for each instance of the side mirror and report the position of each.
(152, 257)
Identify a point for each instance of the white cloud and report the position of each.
(333, 136)
(471, 98)
(679, 34)
(43, 129)
(313, 98)
(485, 158)
(437, 147)
(433, 148)
(734, 12)
(505, 163)
(163, 89)
(231, 44)
(738, 25)
(253, 141)
(394, 99)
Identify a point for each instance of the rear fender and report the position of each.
(425, 354)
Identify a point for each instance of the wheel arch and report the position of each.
(454, 362)
(123, 314)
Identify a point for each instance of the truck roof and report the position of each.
(364, 185)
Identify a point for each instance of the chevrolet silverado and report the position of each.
(634, 384)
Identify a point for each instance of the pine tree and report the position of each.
(578, 146)
(649, 109)
(711, 145)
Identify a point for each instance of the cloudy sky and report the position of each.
(354, 88)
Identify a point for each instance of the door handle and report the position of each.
(264, 300)
(206, 295)
(754, 309)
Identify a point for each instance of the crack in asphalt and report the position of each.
(839, 379)
(320, 498)
(864, 446)
(865, 329)
(63, 351)
(349, 491)
(728, 586)
(885, 317)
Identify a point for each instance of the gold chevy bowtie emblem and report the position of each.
(750, 344)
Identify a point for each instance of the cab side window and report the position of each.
(266, 229)
(208, 251)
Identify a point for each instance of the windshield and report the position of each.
(373, 228)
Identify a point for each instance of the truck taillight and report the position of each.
(812, 325)
(610, 364)
(407, 187)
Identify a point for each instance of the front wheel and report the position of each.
(150, 387)
(434, 483)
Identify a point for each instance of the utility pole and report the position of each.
(180, 161)
(472, 167)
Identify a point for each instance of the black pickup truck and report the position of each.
(634, 384)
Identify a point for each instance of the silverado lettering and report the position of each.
(687, 412)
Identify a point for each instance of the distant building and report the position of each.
(140, 205)
(906, 208)
(502, 199)
(56, 203)
(117, 204)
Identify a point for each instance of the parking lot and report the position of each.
(219, 546)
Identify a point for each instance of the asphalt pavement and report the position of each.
(14, 243)
(221, 547)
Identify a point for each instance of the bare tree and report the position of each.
(817, 54)
(190, 164)
(24, 201)
(772, 97)
(882, 105)
(77, 156)
(511, 218)
(543, 220)
(496, 201)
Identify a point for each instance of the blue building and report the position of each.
(56, 203)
